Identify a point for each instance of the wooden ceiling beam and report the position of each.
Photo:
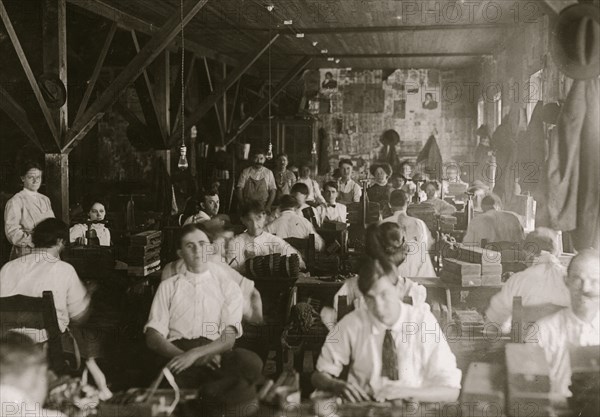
(19, 116)
(285, 81)
(129, 22)
(158, 43)
(212, 99)
(341, 30)
(29, 73)
(408, 55)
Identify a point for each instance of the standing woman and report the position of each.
(25, 210)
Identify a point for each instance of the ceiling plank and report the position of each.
(91, 84)
(211, 100)
(29, 73)
(129, 22)
(409, 55)
(147, 55)
(297, 69)
(18, 116)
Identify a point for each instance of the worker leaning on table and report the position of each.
(393, 350)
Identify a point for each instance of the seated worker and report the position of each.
(300, 193)
(494, 225)
(418, 238)
(379, 192)
(578, 325)
(479, 191)
(291, 224)
(209, 208)
(43, 270)
(257, 183)
(196, 315)
(23, 378)
(349, 191)
(397, 181)
(314, 197)
(96, 214)
(252, 311)
(255, 241)
(453, 184)
(387, 347)
(332, 210)
(541, 286)
(432, 189)
(384, 241)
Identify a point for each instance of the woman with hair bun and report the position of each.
(25, 210)
(96, 214)
(386, 243)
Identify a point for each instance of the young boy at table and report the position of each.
(196, 315)
(394, 351)
(332, 210)
(300, 193)
(255, 241)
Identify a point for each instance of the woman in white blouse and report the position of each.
(25, 210)
(95, 214)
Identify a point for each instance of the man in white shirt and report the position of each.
(257, 183)
(196, 315)
(209, 209)
(494, 225)
(349, 190)
(23, 378)
(541, 286)
(332, 210)
(314, 191)
(578, 325)
(291, 224)
(395, 351)
(255, 241)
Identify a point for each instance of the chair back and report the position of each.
(306, 247)
(20, 311)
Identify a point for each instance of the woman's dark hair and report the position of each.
(386, 242)
(371, 271)
(27, 165)
(48, 232)
(191, 228)
(387, 168)
(299, 187)
(288, 202)
(90, 203)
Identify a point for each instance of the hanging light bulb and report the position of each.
(336, 146)
(182, 163)
(269, 154)
(313, 151)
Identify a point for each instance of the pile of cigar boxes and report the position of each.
(144, 253)
(473, 267)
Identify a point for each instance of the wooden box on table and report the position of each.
(144, 253)
(483, 389)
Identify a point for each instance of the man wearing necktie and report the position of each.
(332, 210)
(394, 351)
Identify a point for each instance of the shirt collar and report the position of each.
(29, 192)
(194, 278)
(378, 327)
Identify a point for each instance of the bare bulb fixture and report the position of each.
(336, 146)
(313, 151)
(182, 164)
(269, 154)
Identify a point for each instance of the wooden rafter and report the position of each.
(216, 107)
(401, 55)
(18, 116)
(235, 100)
(292, 73)
(129, 22)
(29, 73)
(91, 84)
(210, 101)
(147, 55)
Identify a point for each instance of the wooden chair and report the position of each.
(307, 250)
(20, 311)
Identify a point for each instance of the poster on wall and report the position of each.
(329, 80)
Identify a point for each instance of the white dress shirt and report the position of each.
(334, 213)
(291, 224)
(424, 357)
(244, 246)
(22, 213)
(16, 403)
(78, 232)
(543, 283)
(189, 306)
(34, 273)
(350, 188)
(555, 334)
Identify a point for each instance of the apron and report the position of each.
(256, 190)
(346, 198)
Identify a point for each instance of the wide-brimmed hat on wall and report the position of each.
(53, 90)
(576, 41)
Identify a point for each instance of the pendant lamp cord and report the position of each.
(182, 78)
(270, 37)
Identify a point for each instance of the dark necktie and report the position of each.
(389, 357)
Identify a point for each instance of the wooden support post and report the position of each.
(132, 71)
(297, 69)
(56, 177)
(210, 101)
(224, 105)
(163, 91)
(54, 53)
(235, 100)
